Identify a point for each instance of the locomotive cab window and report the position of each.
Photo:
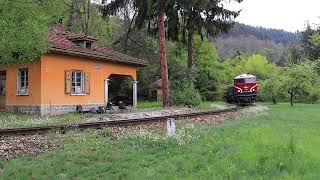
(251, 80)
(239, 81)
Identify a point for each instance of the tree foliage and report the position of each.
(208, 74)
(309, 43)
(23, 31)
(257, 65)
(187, 17)
(299, 79)
(271, 89)
(183, 91)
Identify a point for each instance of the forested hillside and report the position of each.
(272, 43)
(276, 35)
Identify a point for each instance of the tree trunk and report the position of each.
(88, 17)
(274, 101)
(190, 50)
(291, 99)
(163, 60)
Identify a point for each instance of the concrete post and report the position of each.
(135, 94)
(106, 90)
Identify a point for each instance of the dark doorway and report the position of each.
(120, 89)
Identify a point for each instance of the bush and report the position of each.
(186, 95)
(270, 90)
(182, 91)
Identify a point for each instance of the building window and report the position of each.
(22, 87)
(77, 79)
(77, 82)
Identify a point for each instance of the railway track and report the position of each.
(101, 124)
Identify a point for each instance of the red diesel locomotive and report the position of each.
(244, 90)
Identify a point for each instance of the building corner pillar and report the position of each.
(135, 94)
(106, 90)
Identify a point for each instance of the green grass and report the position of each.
(14, 120)
(149, 104)
(283, 144)
(213, 105)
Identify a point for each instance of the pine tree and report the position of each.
(198, 16)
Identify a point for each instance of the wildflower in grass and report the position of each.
(185, 134)
(256, 110)
(11, 120)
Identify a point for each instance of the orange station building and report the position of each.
(75, 71)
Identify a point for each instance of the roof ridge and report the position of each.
(62, 44)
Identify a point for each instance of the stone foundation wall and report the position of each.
(25, 109)
(48, 110)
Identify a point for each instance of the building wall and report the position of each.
(53, 69)
(34, 81)
(47, 84)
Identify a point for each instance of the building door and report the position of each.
(3, 90)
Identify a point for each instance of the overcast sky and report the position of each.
(290, 15)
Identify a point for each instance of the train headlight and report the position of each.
(239, 91)
(253, 90)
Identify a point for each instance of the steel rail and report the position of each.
(100, 124)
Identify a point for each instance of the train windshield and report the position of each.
(239, 81)
(251, 80)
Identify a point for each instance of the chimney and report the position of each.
(57, 28)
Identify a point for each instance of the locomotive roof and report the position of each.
(243, 76)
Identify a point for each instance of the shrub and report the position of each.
(270, 90)
(186, 95)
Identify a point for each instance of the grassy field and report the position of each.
(283, 144)
(149, 104)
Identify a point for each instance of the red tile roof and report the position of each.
(63, 43)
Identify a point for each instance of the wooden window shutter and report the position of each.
(87, 82)
(68, 81)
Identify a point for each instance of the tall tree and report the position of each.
(146, 10)
(309, 43)
(79, 14)
(163, 58)
(199, 16)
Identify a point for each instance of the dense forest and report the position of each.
(272, 43)
(276, 35)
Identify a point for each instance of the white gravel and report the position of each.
(141, 114)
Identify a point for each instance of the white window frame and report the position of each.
(77, 87)
(23, 84)
(87, 43)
